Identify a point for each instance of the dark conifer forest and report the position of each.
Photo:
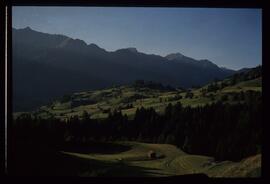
(224, 131)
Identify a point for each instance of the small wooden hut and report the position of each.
(152, 154)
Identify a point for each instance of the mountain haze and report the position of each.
(46, 66)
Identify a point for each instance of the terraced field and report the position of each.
(128, 98)
(170, 161)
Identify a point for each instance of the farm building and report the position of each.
(152, 154)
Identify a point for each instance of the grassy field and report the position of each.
(123, 159)
(170, 161)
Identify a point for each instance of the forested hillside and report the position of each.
(226, 126)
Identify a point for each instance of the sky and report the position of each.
(230, 38)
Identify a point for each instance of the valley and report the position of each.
(130, 158)
(157, 92)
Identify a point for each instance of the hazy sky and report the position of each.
(228, 37)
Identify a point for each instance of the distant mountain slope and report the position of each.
(247, 74)
(83, 66)
(128, 98)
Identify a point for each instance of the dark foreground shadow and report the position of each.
(201, 175)
(95, 147)
(33, 160)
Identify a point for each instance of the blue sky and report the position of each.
(230, 38)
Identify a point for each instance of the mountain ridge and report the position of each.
(122, 66)
(171, 56)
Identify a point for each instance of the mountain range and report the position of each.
(47, 66)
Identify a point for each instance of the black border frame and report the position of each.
(10, 81)
(127, 3)
(2, 86)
